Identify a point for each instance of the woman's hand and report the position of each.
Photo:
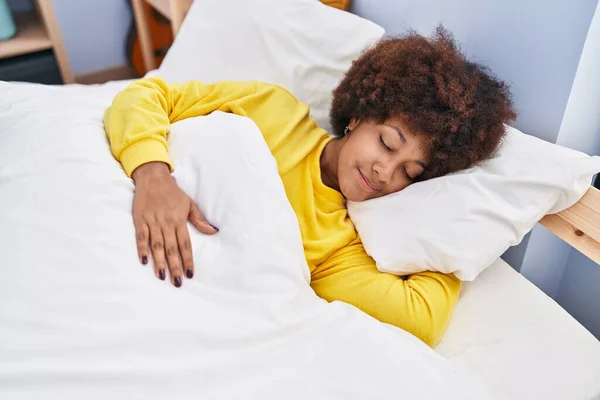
(160, 213)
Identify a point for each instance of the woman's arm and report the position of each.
(421, 304)
(138, 121)
(137, 124)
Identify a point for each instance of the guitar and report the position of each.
(341, 4)
(161, 36)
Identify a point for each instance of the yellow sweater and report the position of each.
(137, 124)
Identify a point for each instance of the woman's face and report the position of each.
(379, 159)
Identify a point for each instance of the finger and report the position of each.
(172, 252)
(158, 251)
(198, 220)
(142, 235)
(185, 250)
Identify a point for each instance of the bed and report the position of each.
(79, 318)
(522, 346)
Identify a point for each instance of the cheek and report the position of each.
(398, 186)
(345, 164)
(351, 190)
(345, 179)
(360, 150)
(349, 185)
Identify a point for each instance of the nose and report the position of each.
(384, 172)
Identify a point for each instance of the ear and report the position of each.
(353, 123)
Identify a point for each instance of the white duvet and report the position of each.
(81, 318)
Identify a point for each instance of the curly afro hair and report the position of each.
(459, 106)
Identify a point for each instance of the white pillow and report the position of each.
(461, 223)
(301, 45)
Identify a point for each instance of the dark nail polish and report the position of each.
(216, 229)
(144, 260)
(161, 274)
(177, 281)
(189, 273)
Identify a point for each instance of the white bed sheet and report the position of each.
(81, 318)
(521, 342)
(518, 340)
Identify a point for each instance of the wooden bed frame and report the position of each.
(579, 225)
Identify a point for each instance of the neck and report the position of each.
(329, 163)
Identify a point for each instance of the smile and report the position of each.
(366, 184)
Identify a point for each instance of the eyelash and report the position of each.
(385, 146)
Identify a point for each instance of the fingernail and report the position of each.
(189, 273)
(144, 260)
(161, 274)
(177, 281)
(214, 227)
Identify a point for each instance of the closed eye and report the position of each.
(385, 146)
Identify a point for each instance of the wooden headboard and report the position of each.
(579, 225)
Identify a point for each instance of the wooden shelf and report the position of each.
(38, 30)
(31, 36)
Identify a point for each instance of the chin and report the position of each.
(355, 199)
(352, 194)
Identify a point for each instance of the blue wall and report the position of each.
(94, 31)
(562, 272)
(579, 291)
(537, 46)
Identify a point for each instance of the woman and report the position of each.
(409, 109)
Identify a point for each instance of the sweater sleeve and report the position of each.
(138, 120)
(421, 304)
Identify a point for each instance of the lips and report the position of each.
(365, 182)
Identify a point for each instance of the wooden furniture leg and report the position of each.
(143, 34)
